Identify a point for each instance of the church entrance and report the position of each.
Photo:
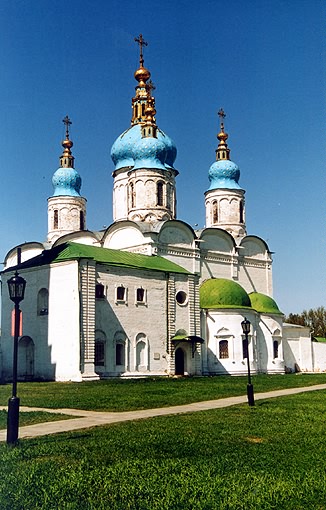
(179, 358)
(26, 358)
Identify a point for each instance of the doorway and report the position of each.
(179, 361)
(26, 358)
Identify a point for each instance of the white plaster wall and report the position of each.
(269, 329)
(319, 356)
(132, 318)
(64, 321)
(34, 326)
(297, 348)
(226, 325)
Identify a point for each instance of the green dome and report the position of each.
(222, 293)
(263, 304)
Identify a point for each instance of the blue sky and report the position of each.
(261, 60)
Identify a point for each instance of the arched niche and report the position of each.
(177, 233)
(254, 247)
(215, 239)
(123, 236)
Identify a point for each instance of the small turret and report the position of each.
(66, 208)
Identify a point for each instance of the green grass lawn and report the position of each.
(272, 456)
(125, 395)
(30, 418)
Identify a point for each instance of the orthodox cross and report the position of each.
(67, 123)
(222, 116)
(141, 43)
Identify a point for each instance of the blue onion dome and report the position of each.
(171, 150)
(130, 145)
(149, 153)
(224, 174)
(66, 181)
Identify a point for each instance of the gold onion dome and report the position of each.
(142, 75)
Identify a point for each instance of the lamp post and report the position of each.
(16, 287)
(250, 389)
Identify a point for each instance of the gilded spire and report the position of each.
(143, 90)
(67, 159)
(222, 151)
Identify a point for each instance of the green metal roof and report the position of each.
(75, 251)
(223, 293)
(264, 304)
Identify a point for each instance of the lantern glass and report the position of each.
(16, 287)
(246, 326)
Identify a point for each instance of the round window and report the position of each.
(181, 297)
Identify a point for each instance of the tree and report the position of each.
(313, 318)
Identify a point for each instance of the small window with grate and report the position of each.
(223, 349)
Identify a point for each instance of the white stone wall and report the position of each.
(68, 220)
(54, 335)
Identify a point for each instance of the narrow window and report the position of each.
(43, 302)
(121, 293)
(99, 291)
(119, 354)
(244, 349)
(132, 195)
(99, 353)
(81, 220)
(55, 219)
(241, 211)
(159, 193)
(215, 215)
(275, 349)
(140, 295)
(223, 349)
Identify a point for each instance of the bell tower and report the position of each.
(224, 200)
(66, 208)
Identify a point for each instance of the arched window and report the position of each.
(55, 219)
(119, 354)
(223, 349)
(99, 353)
(215, 213)
(159, 193)
(43, 302)
(275, 349)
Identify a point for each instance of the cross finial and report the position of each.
(151, 87)
(222, 116)
(67, 123)
(141, 43)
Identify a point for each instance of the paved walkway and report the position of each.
(86, 419)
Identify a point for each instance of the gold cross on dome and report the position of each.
(221, 113)
(67, 123)
(141, 43)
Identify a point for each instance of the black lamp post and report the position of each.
(16, 286)
(250, 389)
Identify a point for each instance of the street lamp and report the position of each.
(250, 389)
(16, 287)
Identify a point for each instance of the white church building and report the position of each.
(149, 295)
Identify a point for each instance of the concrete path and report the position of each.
(86, 419)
